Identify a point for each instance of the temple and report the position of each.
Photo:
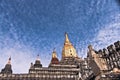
(103, 64)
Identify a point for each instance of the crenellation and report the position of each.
(117, 45)
(106, 53)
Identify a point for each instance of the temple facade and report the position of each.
(98, 65)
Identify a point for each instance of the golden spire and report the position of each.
(54, 55)
(9, 60)
(67, 41)
(68, 49)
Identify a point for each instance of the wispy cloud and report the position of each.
(109, 34)
(21, 54)
(105, 36)
(24, 36)
(21, 58)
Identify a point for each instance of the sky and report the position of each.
(32, 27)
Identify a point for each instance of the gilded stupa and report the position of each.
(69, 55)
(68, 49)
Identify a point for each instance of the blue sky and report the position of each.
(31, 27)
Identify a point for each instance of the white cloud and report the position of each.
(108, 35)
(21, 59)
(21, 55)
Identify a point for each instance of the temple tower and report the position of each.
(8, 68)
(68, 49)
(37, 65)
(54, 60)
(37, 62)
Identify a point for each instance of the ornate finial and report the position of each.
(9, 60)
(54, 55)
(66, 38)
(31, 65)
(54, 50)
(38, 57)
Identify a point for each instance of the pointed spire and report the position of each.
(9, 60)
(68, 48)
(54, 50)
(67, 41)
(54, 55)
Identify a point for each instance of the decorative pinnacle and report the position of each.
(31, 65)
(38, 58)
(54, 50)
(67, 41)
(9, 60)
(54, 55)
